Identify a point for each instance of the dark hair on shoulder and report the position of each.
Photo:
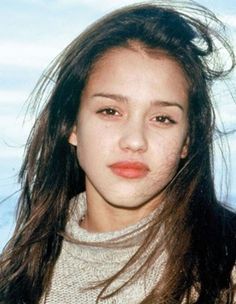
(200, 233)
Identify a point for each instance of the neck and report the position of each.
(106, 220)
(101, 216)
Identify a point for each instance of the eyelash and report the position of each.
(162, 118)
(106, 110)
(166, 117)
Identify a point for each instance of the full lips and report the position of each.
(130, 169)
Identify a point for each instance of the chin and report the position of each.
(128, 202)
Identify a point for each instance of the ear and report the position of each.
(185, 148)
(73, 137)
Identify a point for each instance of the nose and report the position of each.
(133, 137)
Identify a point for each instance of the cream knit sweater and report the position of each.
(81, 264)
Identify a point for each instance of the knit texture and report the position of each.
(81, 264)
(91, 260)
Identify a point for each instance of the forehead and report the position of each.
(139, 74)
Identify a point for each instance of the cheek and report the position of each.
(92, 144)
(169, 145)
(166, 155)
(165, 167)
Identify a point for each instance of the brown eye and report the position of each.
(163, 119)
(108, 112)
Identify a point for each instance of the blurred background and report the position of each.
(32, 34)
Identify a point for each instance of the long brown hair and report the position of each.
(199, 232)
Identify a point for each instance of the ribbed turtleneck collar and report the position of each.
(74, 230)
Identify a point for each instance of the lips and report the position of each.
(130, 169)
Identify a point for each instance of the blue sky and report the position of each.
(32, 33)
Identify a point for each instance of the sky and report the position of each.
(32, 33)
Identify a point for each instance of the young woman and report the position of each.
(118, 203)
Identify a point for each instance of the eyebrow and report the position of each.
(125, 99)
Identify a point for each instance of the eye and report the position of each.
(108, 112)
(164, 119)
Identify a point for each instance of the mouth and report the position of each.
(128, 169)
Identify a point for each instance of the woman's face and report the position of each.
(132, 127)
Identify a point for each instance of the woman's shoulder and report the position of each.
(216, 247)
(216, 242)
